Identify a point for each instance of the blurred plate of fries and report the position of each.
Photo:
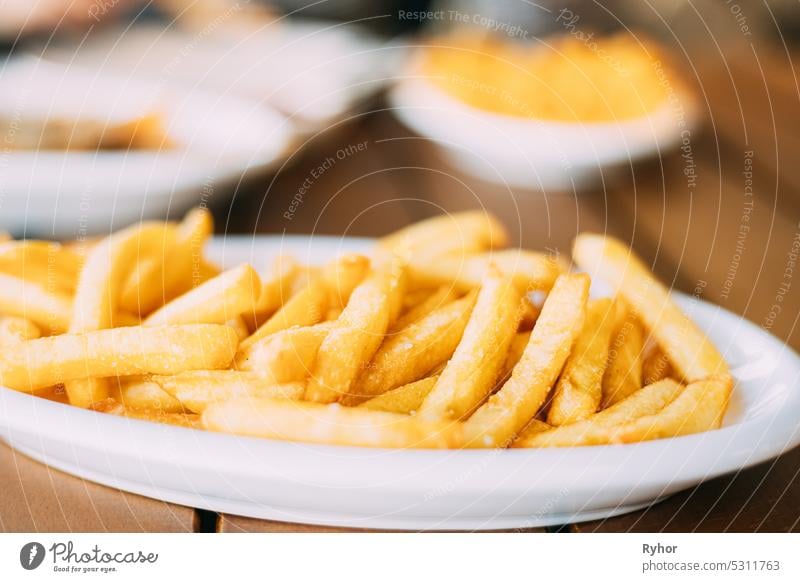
(551, 114)
(411, 382)
(87, 152)
(314, 72)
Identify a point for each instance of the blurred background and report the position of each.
(670, 124)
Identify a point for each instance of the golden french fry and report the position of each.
(203, 271)
(333, 313)
(580, 388)
(50, 265)
(535, 426)
(97, 293)
(238, 325)
(356, 335)
(403, 400)
(111, 406)
(197, 390)
(416, 296)
(328, 424)
(5, 237)
(623, 376)
(41, 276)
(596, 429)
(530, 313)
(50, 310)
(530, 271)
(17, 329)
(692, 353)
(656, 365)
(124, 319)
(473, 371)
(275, 289)
(515, 351)
(216, 301)
(414, 351)
(284, 356)
(140, 393)
(397, 283)
(124, 351)
(160, 277)
(145, 131)
(307, 307)
(462, 232)
(433, 301)
(305, 276)
(498, 421)
(343, 275)
(698, 408)
(55, 393)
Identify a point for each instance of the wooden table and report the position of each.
(387, 178)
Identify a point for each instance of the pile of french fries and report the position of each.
(441, 338)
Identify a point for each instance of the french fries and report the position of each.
(414, 351)
(403, 400)
(356, 335)
(529, 270)
(498, 421)
(474, 369)
(463, 232)
(238, 325)
(535, 426)
(50, 310)
(197, 390)
(160, 277)
(97, 293)
(306, 307)
(111, 406)
(439, 298)
(596, 429)
(50, 265)
(656, 365)
(275, 289)
(124, 351)
(579, 389)
(433, 340)
(623, 376)
(343, 276)
(693, 355)
(284, 356)
(216, 301)
(328, 424)
(698, 408)
(16, 329)
(515, 351)
(140, 393)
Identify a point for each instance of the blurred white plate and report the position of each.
(416, 489)
(315, 72)
(49, 192)
(529, 153)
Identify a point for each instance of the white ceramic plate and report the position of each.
(66, 194)
(402, 489)
(315, 72)
(533, 154)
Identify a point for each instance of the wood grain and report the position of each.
(36, 498)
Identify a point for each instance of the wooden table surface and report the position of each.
(688, 233)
